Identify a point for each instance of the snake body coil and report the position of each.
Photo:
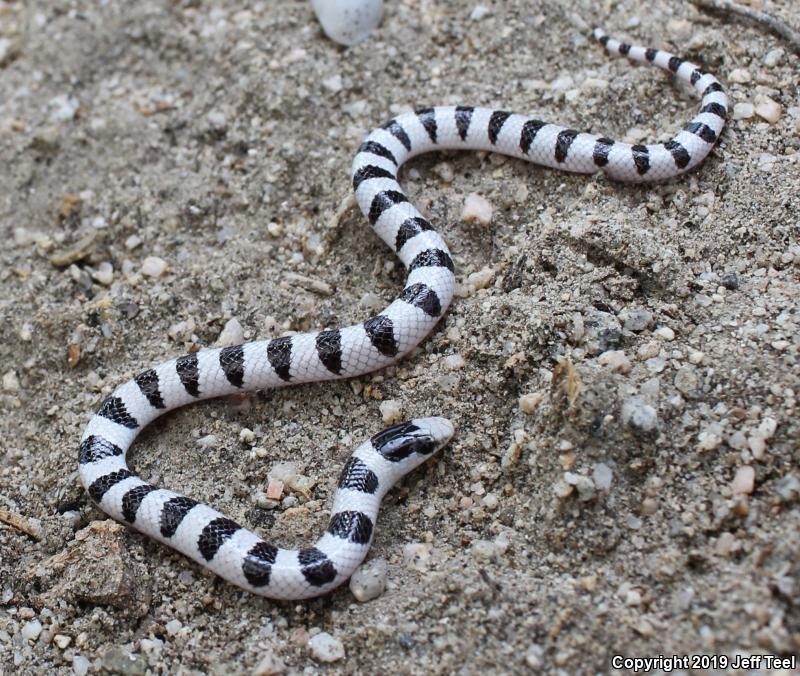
(237, 554)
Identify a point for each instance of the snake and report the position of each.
(239, 555)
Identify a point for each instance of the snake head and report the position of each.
(420, 437)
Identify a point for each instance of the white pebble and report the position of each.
(773, 57)
(583, 483)
(369, 580)
(270, 665)
(216, 119)
(11, 382)
(417, 555)
(665, 333)
(104, 273)
(757, 445)
(768, 427)
(232, 334)
(768, 109)
(739, 76)
(391, 410)
(480, 279)
(31, 630)
(490, 501)
(709, 439)
(371, 301)
(5, 49)
(483, 550)
(208, 441)
(477, 208)
(284, 471)
(62, 641)
(744, 481)
(63, 108)
(639, 415)
(173, 627)
(80, 665)
(326, 648)
(348, 21)
(615, 360)
(132, 242)
(602, 476)
(743, 111)
(333, 84)
(453, 362)
(528, 403)
(696, 357)
(153, 266)
(479, 12)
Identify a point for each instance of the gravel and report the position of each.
(176, 175)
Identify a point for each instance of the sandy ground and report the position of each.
(624, 478)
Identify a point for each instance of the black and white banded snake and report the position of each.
(239, 555)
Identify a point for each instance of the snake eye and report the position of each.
(398, 442)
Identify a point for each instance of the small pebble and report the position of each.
(31, 630)
(372, 301)
(768, 109)
(284, 471)
(615, 360)
(208, 441)
(709, 439)
(479, 12)
(767, 427)
(217, 120)
(480, 279)
(326, 648)
(132, 242)
(270, 665)
(453, 362)
(62, 641)
(80, 665)
(391, 411)
(232, 334)
(11, 382)
(743, 110)
(639, 415)
(528, 403)
(696, 357)
(417, 555)
(333, 84)
(476, 209)
(739, 76)
(773, 57)
(602, 476)
(348, 22)
(63, 108)
(153, 266)
(757, 445)
(104, 274)
(5, 50)
(275, 489)
(585, 486)
(744, 481)
(635, 320)
(369, 580)
(173, 627)
(665, 333)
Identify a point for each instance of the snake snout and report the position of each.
(422, 436)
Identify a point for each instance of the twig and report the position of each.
(21, 523)
(772, 23)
